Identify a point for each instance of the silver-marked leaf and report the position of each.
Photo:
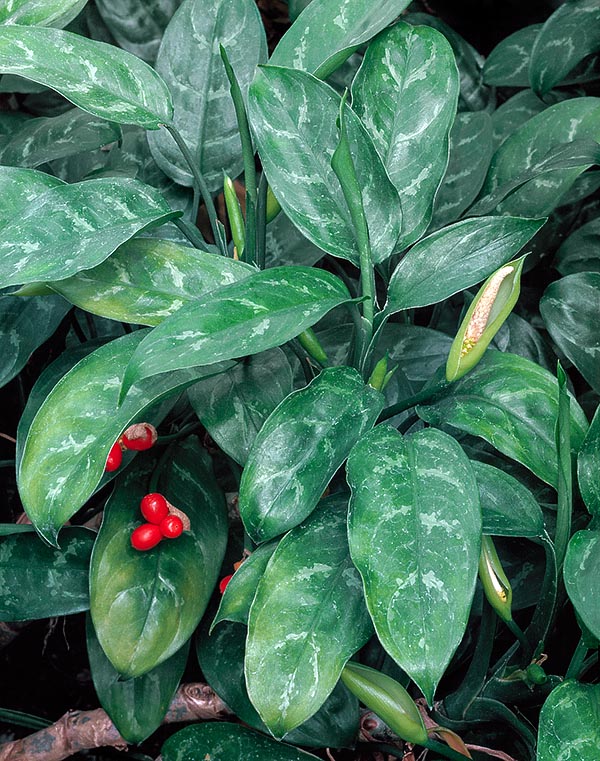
(513, 404)
(328, 31)
(259, 313)
(293, 116)
(83, 224)
(146, 605)
(300, 447)
(581, 572)
(414, 529)
(71, 435)
(514, 112)
(405, 93)
(569, 308)
(37, 581)
(135, 706)
(54, 137)
(138, 25)
(569, 729)
(56, 13)
(580, 252)
(507, 507)
(588, 466)
(234, 405)
(190, 63)
(508, 63)
(307, 619)
(147, 280)
(24, 326)
(470, 155)
(570, 34)
(287, 245)
(99, 78)
(20, 188)
(456, 258)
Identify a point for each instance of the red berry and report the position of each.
(171, 527)
(154, 508)
(115, 458)
(141, 436)
(224, 582)
(145, 537)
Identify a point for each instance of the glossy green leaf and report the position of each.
(569, 729)
(456, 258)
(135, 706)
(300, 447)
(570, 34)
(20, 188)
(70, 437)
(569, 308)
(414, 529)
(308, 617)
(328, 31)
(54, 137)
(512, 403)
(99, 78)
(581, 572)
(518, 336)
(588, 466)
(190, 63)
(83, 224)
(57, 13)
(286, 244)
(514, 112)
(507, 507)
(293, 116)
(580, 252)
(234, 405)
(221, 741)
(508, 63)
(147, 280)
(146, 605)
(24, 326)
(406, 93)
(470, 155)
(575, 119)
(37, 581)
(259, 313)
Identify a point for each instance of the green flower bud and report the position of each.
(496, 585)
(273, 207)
(310, 343)
(236, 218)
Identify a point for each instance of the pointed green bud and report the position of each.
(381, 375)
(310, 343)
(234, 213)
(496, 585)
(273, 207)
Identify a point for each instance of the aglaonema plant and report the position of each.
(335, 346)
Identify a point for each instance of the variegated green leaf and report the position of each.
(286, 244)
(83, 224)
(588, 466)
(406, 93)
(300, 447)
(190, 63)
(57, 13)
(514, 112)
(580, 252)
(21, 188)
(414, 529)
(508, 63)
(293, 116)
(581, 572)
(307, 619)
(99, 78)
(569, 729)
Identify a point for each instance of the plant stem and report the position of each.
(577, 660)
(564, 507)
(260, 222)
(423, 396)
(191, 233)
(157, 472)
(523, 641)
(444, 750)
(543, 615)
(7, 463)
(185, 431)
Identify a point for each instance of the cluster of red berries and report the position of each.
(163, 523)
(137, 437)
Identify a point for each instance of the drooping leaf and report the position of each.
(508, 63)
(414, 529)
(300, 447)
(259, 313)
(83, 224)
(588, 465)
(146, 605)
(190, 63)
(580, 252)
(569, 729)
(456, 258)
(74, 429)
(56, 13)
(99, 78)
(293, 116)
(147, 280)
(328, 31)
(135, 706)
(512, 403)
(307, 619)
(37, 581)
(580, 572)
(406, 93)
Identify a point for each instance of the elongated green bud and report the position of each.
(273, 207)
(234, 213)
(310, 343)
(484, 318)
(496, 585)
(380, 376)
(388, 699)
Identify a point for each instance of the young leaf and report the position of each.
(580, 572)
(308, 617)
(414, 529)
(99, 78)
(588, 466)
(300, 447)
(146, 605)
(406, 93)
(569, 728)
(56, 13)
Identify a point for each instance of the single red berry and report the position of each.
(224, 582)
(154, 508)
(171, 527)
(115, 458)
(145, 537)
(141, 436)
